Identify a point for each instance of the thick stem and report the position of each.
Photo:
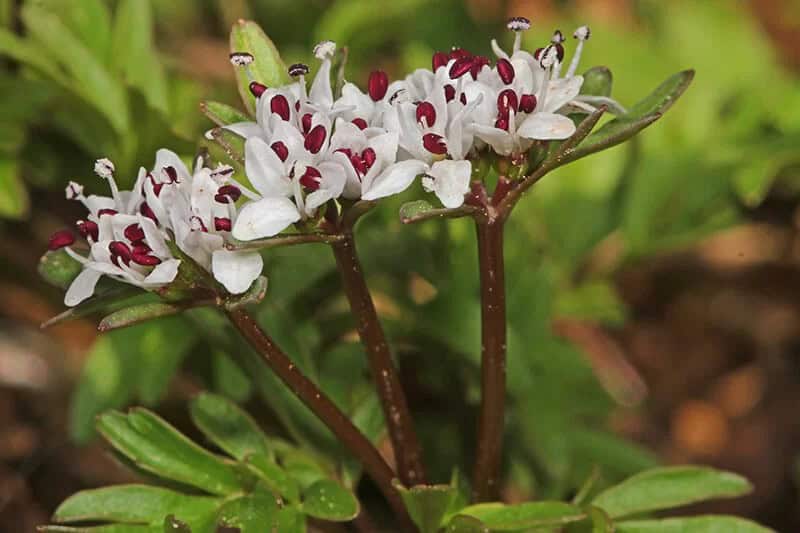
(319, 403)
(407, 450)
(485, 481)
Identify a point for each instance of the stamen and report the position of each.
(478, 62)
(434, 143)
(241, 59)
(377, 85)
(103, 212)
(298, 69)
(305, 122)
(426, 114)
(197, 224)
(280, 150)
(170, 173)
(104, 168)
(227, 194)
(221, 173)
(360, 123)
(119, 250)
(315, 139)
(134, 233)
(449, 93)
(440, 59)
(145, 259)
(88, 229)
(507, 100)
(460, 67)
(74, 191)
(257, 89)
(518, 25)
(146, 211)
(369, 156)
(60, 239)
(280, 106)
(501, 123)
(310, 179)
(324, 50)
(459, 53)
(527, 103)
(582, 34)
(222, 224)
(505, 70)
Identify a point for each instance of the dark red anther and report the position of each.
(505, 70)
(358, 164)
(459, 53)
(222, 224)
(463, 99)
(346, 151)
(280, 150)
(501, 123)
(145, 259)
(310, 179)
(172, 174)
(134, 233)
(440, 59)
(369, 156)
(507, 100)
(360, 123)
(305, 122)
(527, 103)
(146, 211)
(141, 249)
(107, 212)
(119, 250)
(434, 143)
(88, 229)
(227, 194)
(315, 139)
(559, 52)
(280, 106)
(377, 85)
(460, 67)
(60, 239)
(425, 110)
(449, 93)
(478, 62)
(537, 55)
(257, 89)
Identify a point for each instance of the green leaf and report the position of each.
(31, 54)
(328, 500)
(228, 426)
(428, 504)
(162, 346)
(420, 210)
(500, 517)
(229, 379)
(601, 523)
(89, 20)
(636, 119)
(90, 79)
(134, 52)
(273, 476)
(14, 202)
(268, 67)
(156, 447)
(597, 81)
(134, 504)
(254, 513)
(465, 524)
(58, 268)
(695, 524)
(222, 114)
(137, 314)
(668, 487)
(111, 528)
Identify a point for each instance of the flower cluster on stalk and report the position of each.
(308, 150)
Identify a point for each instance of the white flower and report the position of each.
(128, 233)
(449, 180)
(374, 108)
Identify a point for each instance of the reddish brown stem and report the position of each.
(407, 450)
(485, 481)
(319, 403)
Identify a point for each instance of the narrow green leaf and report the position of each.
(222, 114)
(232, 145)
(597, 81)
(254, 513)
(428, 504)
(328, 500)
(668, 487)
(31, 54)
(229, 378)
(134, 504)
(465, 524)
(694, 524)
(14, 202)
(228, 426)
(90, 79)
(137, 314)
(636, 119)
(268, 67)
(155, 446)
(601, 522)
(89, 20)
(58, 268)
(500, 517)
(134, 52)
(273, 476)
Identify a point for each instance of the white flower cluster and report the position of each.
(307, 148)
(128, 232)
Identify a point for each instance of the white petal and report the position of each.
(352, 96)
(168, 158)
(264, 168)
(561, 92)
(395, 179)
(385, 146)
(82, 287)
(265, 218)
(347, 135)
(451, 181)
(163, 273)
(546, 126)
(245, 129)
(154, 237)
(236, 270)
(321, 92)
(330, 186)
(500, 140)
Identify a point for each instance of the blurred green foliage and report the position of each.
(84, 80)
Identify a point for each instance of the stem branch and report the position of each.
(319, 403)
(407, 450)
(485, 482)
